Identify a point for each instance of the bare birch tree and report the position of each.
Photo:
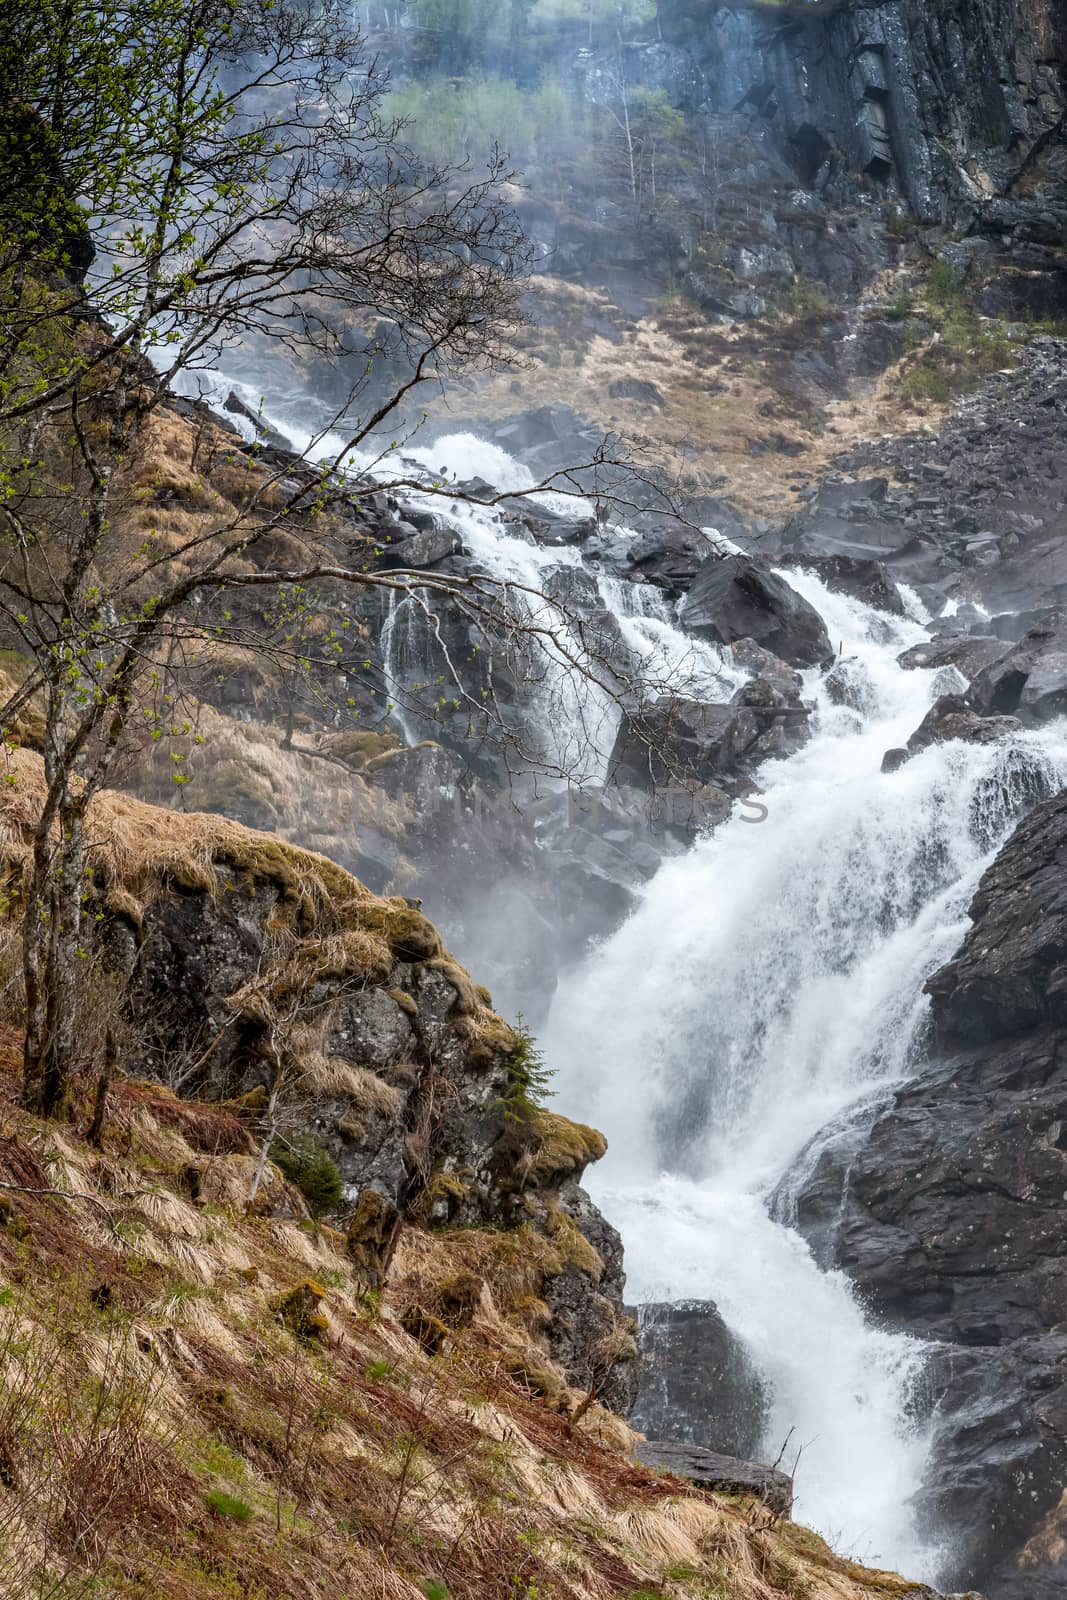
(174, 179)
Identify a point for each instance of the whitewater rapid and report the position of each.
(766, 995)
(767, 989)
(764, 999)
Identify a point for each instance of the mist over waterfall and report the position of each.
(761, 1000)
(735, 1008)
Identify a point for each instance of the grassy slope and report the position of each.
(198, 1398)
(165, 1432)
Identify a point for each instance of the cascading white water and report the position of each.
(576, 719)
(769, 984)
(767, 990)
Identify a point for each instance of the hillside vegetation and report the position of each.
(209, 1395)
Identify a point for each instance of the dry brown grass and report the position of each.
(139, 848)
(230, 1456)
(721, 404)
(241, 769)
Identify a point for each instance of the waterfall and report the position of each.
(569, 720)
(766, 995)
(767, 990)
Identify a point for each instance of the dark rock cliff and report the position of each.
(958, 106)
(804, 121)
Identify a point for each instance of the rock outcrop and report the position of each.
(944, 105)
(1030, 680)
(696, 1385)
(267, 977)
(709, 1470)
(979, 503)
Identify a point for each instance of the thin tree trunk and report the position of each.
(52, 940)
(103, 1084)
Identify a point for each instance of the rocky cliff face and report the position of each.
(815, 116)
(955, 106)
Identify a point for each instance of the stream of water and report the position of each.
(767, 990)
(769, 984)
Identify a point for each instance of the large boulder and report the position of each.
(1030, 681)
(668, 554)
(670, 742)
(696, 1384)
(965, 651)
(760, 663)
(951, 717)
(425, 549)
(687, 742)
(723, 1474)
(733, 597)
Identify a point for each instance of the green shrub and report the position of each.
(967, 351)
(529, 1080)
(306, 1164)
(944, 285)
(923, 382)
(434, 1589)
(228, 1506)
(806, 298)
(899, 225)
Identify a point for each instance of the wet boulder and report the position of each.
(733, 597)
(751, 657)
(848, 683)
(1011, 971)
(687, 742)
(672, 741)
(1030, 681)
(668, 554)
(696, 1384)
(952, 717)
(767, 723)
(425, 549)
(968, 652)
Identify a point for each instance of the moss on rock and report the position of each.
(372, 1236)
(410, 935)
(426, 1329)
(358, 746)
(468, 1003)
(405, 1001)
(300, 1309)
(553, 1149)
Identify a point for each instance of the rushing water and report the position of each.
(767, 992)
(769, 984)
(570, 720)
